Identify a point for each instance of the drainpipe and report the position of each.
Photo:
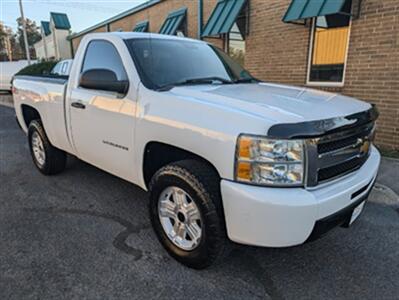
(200, 18)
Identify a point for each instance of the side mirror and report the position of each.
(103, 79)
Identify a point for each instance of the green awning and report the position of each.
(223, 17)
(60, 20)
(304, 9)
(141, 26)
(173, 21)
(46, 28)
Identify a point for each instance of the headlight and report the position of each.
(269, 162)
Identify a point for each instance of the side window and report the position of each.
(103, 55)
(56, 69)
(64, 68)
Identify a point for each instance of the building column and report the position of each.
(44, 45)
(56, 50)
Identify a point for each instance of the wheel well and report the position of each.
(158, 155)
(29, 113)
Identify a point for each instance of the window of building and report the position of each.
(103, 55)
(329, 47)
(236, 45)
(235, 39)
(229, 20)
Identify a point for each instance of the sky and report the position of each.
(81, 14)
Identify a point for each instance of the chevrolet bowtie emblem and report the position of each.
(364, 146)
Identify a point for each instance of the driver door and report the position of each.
(102, 122)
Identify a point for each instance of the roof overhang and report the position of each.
(173, 21)
(142, 26)
(116, 18)
(223, 17)
(300, 10)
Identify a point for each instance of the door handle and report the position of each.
(79, 105)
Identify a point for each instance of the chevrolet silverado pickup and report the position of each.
(224, 156)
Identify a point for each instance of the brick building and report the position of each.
(349, 47)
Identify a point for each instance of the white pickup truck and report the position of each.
(223, 155)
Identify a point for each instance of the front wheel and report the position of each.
(186, 213)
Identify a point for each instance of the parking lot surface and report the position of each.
(86, 234)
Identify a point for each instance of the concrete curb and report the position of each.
(7, 104)
(387, 195)
(6, 100)
(392, 159)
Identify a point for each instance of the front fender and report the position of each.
(192, 125)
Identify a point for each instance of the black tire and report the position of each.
(55, 159)
(202, 184)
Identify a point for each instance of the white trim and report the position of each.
(325, 83)
(310, 55)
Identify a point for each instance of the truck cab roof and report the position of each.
(138, 35)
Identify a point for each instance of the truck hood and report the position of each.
(276, 103)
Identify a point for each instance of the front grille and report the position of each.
(341, 169)
(337, 154)
(344, 142)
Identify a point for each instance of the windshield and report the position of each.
(167, 63)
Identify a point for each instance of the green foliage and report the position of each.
(389, 152)
(41, 68)
(32, 32)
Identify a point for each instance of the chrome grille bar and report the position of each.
(337, 154)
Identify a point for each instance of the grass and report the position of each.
(389, 153)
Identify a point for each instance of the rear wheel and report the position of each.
(48, 159)
(186, 213)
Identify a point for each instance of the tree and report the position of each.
(2, 30)
(3, 42)
(9, 47)
(33, 33)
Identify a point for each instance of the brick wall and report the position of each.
(278, 52)
(157, 15)
(372, 72)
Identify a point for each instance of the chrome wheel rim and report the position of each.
(180, 218)
(38, 149)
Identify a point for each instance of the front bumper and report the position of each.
(283, 217)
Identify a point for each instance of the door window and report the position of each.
(103, 55)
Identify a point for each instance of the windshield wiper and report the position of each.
(246, 80)
(209, 80)
(204, 80)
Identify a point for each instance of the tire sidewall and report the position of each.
(200, 253)
(35, 126)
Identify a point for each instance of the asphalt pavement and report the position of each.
(85, 234)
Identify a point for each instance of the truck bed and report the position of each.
(56, 79)
(45, 94)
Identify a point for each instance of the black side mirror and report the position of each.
(103, 79)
